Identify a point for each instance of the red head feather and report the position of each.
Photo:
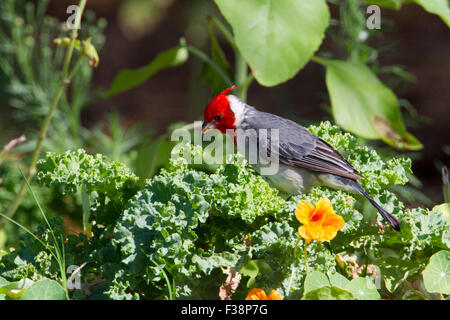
(218, 111)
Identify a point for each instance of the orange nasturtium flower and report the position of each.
(320, 223)
(260, 294)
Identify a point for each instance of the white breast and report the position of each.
(292, 180)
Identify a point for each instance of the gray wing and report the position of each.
(299, 147)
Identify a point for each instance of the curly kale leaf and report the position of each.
(112, 183)
(234, 189)
(377, 174)
(72, 169)
(31, 260)
(167, 221)
(189, 223)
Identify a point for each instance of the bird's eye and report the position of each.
(217, 118)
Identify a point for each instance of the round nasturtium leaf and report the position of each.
(276, 37)
(363, 289)
(338, 280)
(45, 289)
(436, 276)
(315, 280)
(329, 293)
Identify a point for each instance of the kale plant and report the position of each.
(180, 234)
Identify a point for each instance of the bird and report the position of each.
(305, 160)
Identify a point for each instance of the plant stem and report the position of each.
(65, 80)
(226, 33)
(57, 252)
(242, 79)
(306, 258)
(244, 86)
(295, 248)
(6, 149)
(240, 74)
(318, 60)
(206, 59)
(73, 36)
(77, 66)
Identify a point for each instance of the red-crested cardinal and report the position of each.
(304, 159)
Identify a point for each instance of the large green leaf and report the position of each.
(363, 105)
(315, 280)
(153, 156)
(439, 7)
(329, 293)
(13, 290)
(363, 289)
(395, 271)
(360, 288)
(338, 280)
(276, 37)
(128, 79)
(436, 276)
(45, 290)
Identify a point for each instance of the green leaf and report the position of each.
(113, 182)
(91, 52)
(391, 4)
(128, 79)
(338, 280)
(315, 280)
(363, 105)
(3, 282)
(276, 37)
(7, 286)
(436, 276)
(395, 270)
(363, 289)
(329, 293)
(14, 290)
(439, 7)
(209, 75)
(444, 210)
(253, 268)
(45, 290)
(156, 155)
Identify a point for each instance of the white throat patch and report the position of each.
(238, 108)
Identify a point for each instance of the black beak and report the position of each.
(206, 126)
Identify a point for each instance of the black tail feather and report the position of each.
(351, 185)
(386, 215)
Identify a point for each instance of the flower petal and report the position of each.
(324, 205)
(328, 233)
(320, 223)
(256, 294)
(274, 295)
(303, 211)
(333, 220)
(303, 232)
